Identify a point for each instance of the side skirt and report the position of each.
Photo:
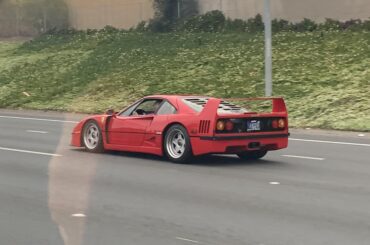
(141, 149)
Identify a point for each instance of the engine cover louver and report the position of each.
(204, 126)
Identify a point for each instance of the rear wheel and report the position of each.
(92, 137)
(252, 155)
(177, 145)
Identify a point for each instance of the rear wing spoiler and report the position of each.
(210, 109)
(278, 103)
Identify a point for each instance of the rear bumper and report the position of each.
(234, 144)
(253, 137)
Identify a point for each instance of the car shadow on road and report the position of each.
(224, 160)
(206, 160)
(133, 155)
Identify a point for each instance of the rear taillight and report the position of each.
(229, 125)
(224, 125)
(278, 123)
(274, 124)
(220, 126)
(281, 123)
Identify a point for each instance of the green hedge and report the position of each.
(215, 21)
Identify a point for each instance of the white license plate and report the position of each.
(253, 125)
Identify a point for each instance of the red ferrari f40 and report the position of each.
(180, 127)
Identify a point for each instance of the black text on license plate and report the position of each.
(253, 125)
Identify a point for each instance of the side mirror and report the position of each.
(110, 112)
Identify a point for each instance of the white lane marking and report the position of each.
(187, 240)
(37, 132)
(361, 135)
(78, 215)
(30, 152)
(274, 183)
(304, 157)
(38, 119)
(330, 142)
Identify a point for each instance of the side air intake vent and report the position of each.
(204, 126)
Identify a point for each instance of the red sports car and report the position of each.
(180, 127)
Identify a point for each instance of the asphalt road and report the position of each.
(315, 192)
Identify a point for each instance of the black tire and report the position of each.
(252, 155)
(93, 144)
(180, 152)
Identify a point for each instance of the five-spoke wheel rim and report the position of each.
(176, 143)
(91, 136)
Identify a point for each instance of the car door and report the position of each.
(153, 136)
(130, 128)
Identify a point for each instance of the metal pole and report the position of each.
(268, 49)
(44, 19)
(17, 19)
(178, 9)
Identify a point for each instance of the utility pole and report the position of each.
(268, 48)
(178, 9)
(44, 19)
(17, 17)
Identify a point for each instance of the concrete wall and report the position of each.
(96, 14)
(127, 13)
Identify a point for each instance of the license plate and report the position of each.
(253, 125)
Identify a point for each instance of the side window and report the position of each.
(147, 107)
(166, 109)
(129, 110)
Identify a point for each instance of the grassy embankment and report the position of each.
(324, 78)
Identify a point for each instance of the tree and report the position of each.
(169, 9)
(169, 12)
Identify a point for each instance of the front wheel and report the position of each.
(177, 145)
(252, 155)
(92, 137)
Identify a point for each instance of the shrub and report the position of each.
(160, 25)
(330, 25)
(305, 25)
(109, 30)
(66, 32)
(213, 21)
(141, 27)
(366, 25)
(236, 25)
(281, 25)
(255, 24)
(352, 25)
